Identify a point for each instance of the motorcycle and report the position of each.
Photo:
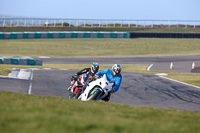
(97, 89)
(78, 86)
(81, 83)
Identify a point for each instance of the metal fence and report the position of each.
(49, 22)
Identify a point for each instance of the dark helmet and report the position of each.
(116, 69)
(94, 68)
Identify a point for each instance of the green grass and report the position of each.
(190, 79)
(22, 113)
(98, 47)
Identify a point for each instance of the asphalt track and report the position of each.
(136, 89)
(181, 63)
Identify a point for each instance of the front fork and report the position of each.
(105, 93)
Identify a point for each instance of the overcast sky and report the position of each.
(103, 9)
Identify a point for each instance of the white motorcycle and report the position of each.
(97, 90)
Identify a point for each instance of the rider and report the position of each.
(90, 74)
(113, 75)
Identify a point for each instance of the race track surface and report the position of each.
(136, 89)
(181, 63)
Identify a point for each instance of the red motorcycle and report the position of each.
(77, 87)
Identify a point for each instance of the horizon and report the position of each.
(16, 16)
(108, 10)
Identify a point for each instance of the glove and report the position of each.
(96, 76)
(112, 91)
(75, 77)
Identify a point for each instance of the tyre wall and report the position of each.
(20, 61)
(163, 35)
(66, 34)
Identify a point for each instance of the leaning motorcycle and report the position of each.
(78, 86)
(97, 89)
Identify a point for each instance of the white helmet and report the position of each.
(116, 69)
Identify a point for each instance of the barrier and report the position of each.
(1, 61)
(64, 34)
(163, 35)
(20, 61)
(84, 34)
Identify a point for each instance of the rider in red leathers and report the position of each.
(89, 75)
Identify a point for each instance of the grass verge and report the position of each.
(190, 79)
(21, 113)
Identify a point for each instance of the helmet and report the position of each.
(116, 69)
(94, 68)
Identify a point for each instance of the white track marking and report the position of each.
(24, 74)
(161, 74)
(148, 69)
(30, 86)
(31, 78)
(180, 82)
(44, 57)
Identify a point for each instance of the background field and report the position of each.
(98, 47)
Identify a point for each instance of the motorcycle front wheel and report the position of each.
(94, 95)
